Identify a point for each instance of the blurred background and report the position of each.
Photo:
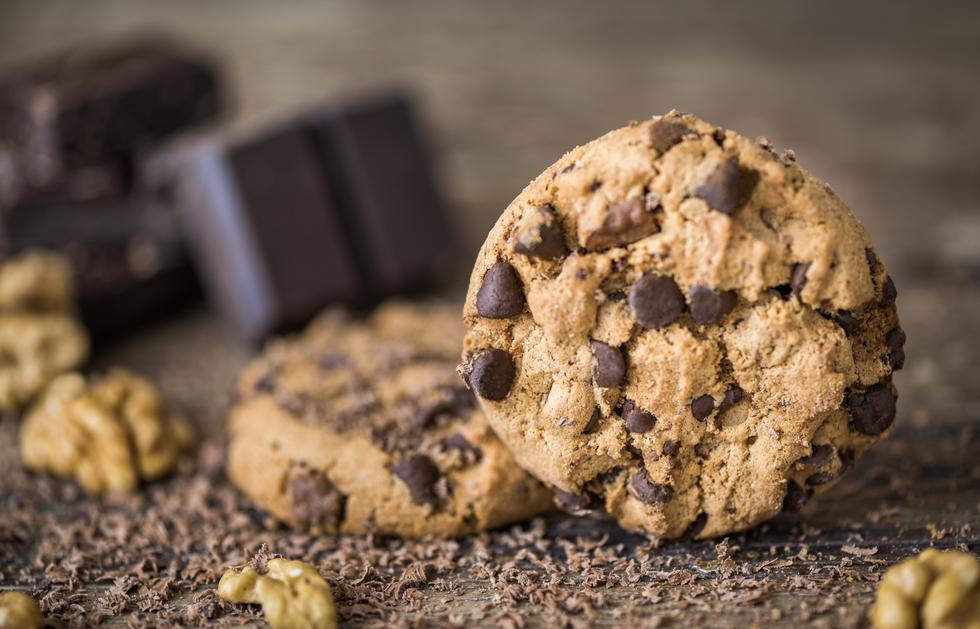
(881, 99)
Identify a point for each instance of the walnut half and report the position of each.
(109, 433)
(34, 348)
(934, 590)
(19, 611)
(293, 595)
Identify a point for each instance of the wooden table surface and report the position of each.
(881, 99)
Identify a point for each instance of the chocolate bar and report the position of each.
(74, 121)
(129, 257)
(336, 205)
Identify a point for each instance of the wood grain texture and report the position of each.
(879, 98)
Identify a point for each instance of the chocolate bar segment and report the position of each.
(376, 156)
(129, 258)
(335, 205)
(85, 113)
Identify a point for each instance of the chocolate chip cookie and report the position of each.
(678, 326)
(363, 425)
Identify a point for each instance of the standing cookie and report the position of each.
(676, 325)
(357, 426)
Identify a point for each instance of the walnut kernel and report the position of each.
(109, 433)
(34, 348)
(19, 611)
(292, 594)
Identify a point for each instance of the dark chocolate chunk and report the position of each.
(895, 339)
(796, 497)
(610, 365)
(656, 300)
(702, 406)
(574, 503)
(420, 475)
(501, 294)
(130, 262)
(664, 135)
(888, 292)
(316, 502)
(276, 244)
(593, 424)
(797, 277)
(470, 453)
(637, 419)
(728, 186)
(85, 109)
(848, 322)
(874, 264)
(492, 374)
(703, 450)
(733, 395)
(626, 221)
(648, 491)
(819, 456)
(709, 305)
(872, 410)
(784, 290)
(671, 448)
(539, 235)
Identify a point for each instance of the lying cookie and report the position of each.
(676, 325)
(358, 426)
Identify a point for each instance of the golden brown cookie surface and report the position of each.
(679, 326)
(355, 426)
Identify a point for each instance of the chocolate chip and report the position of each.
(694, 528)
(470, 453)
(784, 290)
(821, 478)
(648, 491)
(728, 186)
(593, 424)
(796, 497)
(872, 410)
(703, 450)
(664, 135)
(797, 277)
(733, 395)
(895, 340)
(500, 295)
(671, 448)
(637, 419)
(420, 475)
(709, 305)
(874, 265)
(655, 300)
(492, 374)
(888, 292)
(610, 365)
(626, 221)
(317, 503)
(574, 503)
(702, 406)
(819, 456)
(267, 383)
(539, 235)
(848, 322)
